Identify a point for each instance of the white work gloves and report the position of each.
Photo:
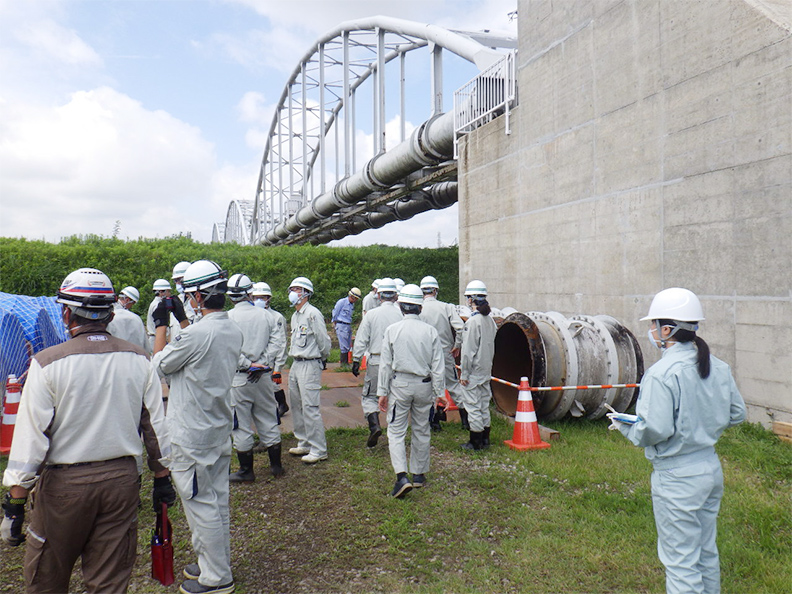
(615, 423)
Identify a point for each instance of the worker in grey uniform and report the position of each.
(252, 392)
(411, 377)
(262, 295)
(478, 351)
(85, 404)
(369, 340)
(687, 399)
(371, 300)
(444, 318)
(201, 363)
(125, 324)
(309, 346)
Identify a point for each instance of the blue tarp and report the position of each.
(29, 324)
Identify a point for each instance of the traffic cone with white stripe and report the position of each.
(10, 407)
(526, 429)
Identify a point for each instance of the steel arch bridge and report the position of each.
(321, 178)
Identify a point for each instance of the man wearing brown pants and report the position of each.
(80, 414)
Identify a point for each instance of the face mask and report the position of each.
(294, 298)
(180, 289)
(652, 339)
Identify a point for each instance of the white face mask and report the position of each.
(652, 339)
(294, 297)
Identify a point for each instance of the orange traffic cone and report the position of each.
(10, 407)
(363, 363)
(526, 429)
(451, 404)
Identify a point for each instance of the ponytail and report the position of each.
(482, 306)
(703, 359)
(703, 356)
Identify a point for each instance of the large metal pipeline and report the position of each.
(552, 350)
(429, 144)
(437, 197)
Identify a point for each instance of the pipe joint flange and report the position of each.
(417, 150)
(370, 180)
(340, 192)
(426, 145)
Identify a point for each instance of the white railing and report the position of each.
(490, 94)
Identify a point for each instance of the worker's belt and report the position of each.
(409, 375)
(93, 463)
(347, 323)
(306, 358)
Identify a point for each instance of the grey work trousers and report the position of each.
(87, 511)
(255, 406)
(305, 385)
(409, 402)
(368, 398)
(476, 401)
(201, 479)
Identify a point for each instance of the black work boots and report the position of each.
(476, 441)
(274, 453)
(245, 473)
(374, 429)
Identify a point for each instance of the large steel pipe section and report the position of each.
(553, 350)
(431, 143)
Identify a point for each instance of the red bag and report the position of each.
(162, 549)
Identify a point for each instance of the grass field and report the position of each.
(574, 518)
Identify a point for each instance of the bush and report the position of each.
(37, 268)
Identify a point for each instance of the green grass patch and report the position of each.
(574, 518)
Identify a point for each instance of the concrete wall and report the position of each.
(652, 148)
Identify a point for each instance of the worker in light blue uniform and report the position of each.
(687, 399)
(342, 322)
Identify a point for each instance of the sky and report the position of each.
(146, 118)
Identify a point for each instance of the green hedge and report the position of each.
(36, 267)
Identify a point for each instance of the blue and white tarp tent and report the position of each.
(28, 325)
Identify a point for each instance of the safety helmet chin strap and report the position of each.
(678, 325)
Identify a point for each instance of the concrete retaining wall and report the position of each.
(652, 148)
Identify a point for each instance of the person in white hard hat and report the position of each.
(443, 317)
(262, 296)
(687, 399)
(342, 322)
(371, 301)
(201, 363)
(162, 290)
(85, 404)
(411, 377)
(369, 340)
(478, 351)
(125, 324)
(399, 284)
(253, 392)
(309, 346)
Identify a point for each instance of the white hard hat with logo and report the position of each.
(429, 282)
(262, 289)
(180, 269)
(202, 275)
(386, 285)
(161, 285)
(476, 287)
(88, 292)
(239, 285)
(303, 283)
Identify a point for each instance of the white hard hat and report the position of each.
(302, 282)
(180, 269)
(675, 304)
(411, 294)
(239, 285)
(429, 282)
(355, 292)
(88, 292)
(386, 285)
(132, 293)
(161, 285)
(375, 283)
(203, 274)
(399, 283)
(463, 311)
(507, 311)
(476, 287)
(261, 289)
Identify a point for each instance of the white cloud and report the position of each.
(101, 157)
(57, 43)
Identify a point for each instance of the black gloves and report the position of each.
(160, 315)
(324, 364)
(178, 309)
(255, 373)
(356, 368)
(13, 518)
(163, 492)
